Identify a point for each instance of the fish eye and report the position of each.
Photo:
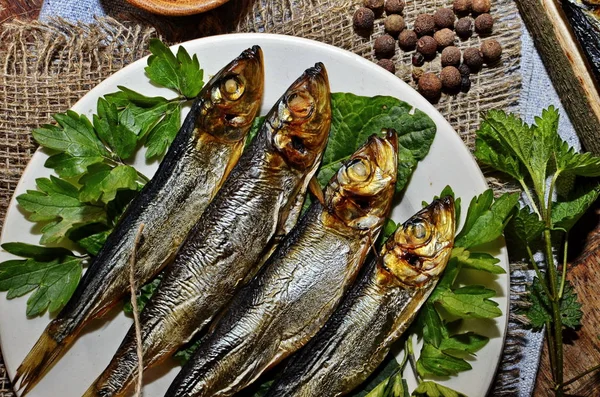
(232, 88)
(300, 104)
(358, 170)
(419, 231)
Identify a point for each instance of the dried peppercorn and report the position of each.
(464, 27)
(394, 6)
(375, 5)
(491, 51)
(384, 46)
(451, 78)
(387, 64)
(462, 6)
(424, 25)
(430, 86)
(484, 23)
(481, 6)
(464, 70)
(394, 24)
(444, 37)
(444, 18)
(363, 19)
(418, 59)
(407, 40)
(473, 58)
(451, 56)
(427, 46)
(465, 84)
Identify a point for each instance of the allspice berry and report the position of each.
(444, 18)
(473, 58)
(375, 5)
(394, 24)
(484, 23)
(430, 86)
(363, 19)
(427, 46)
(385, 45)
(424, 25)
(444, 37)
(418, 59)
(491, 51)
(394, 6)
(407, 40)
(451, 78)
(481, 6)
(462, 6)
(451, 56)
(464, 70)
(464, 27)
(387, 64)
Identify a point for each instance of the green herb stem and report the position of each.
(539, 274)
(564, 268)
(581, 375)
(142, 177)
(530, 198)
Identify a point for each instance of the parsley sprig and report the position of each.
(533, 155)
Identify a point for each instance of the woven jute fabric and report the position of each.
(46, 67)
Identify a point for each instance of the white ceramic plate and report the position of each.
(449, 162)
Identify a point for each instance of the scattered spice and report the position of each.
(444, 18)
(464, 27)
(418, 59)
(451, 56)
(444, 37)
(363, 19)
(491, 51)
(430, 86)
(407, 40)
(424, 25)
(375, 5)
(464, 70)
(465, 84)
(484, 23)
(427, 46)
(394, 6)
(394, 24)
(385, 45)
(387, 64)
(451, 78)
(473, 58)
(462, 6)
(481, 6)
(417, 73)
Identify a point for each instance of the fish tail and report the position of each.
(38, 361)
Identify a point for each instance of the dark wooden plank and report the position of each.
(22, 9)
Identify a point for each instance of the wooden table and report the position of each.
(583, 347)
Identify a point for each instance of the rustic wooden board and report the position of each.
(582, 348)
(24, 9)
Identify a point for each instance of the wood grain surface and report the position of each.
(582, 348)
(24, 9)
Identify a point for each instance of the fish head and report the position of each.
(301, 119)
(232, 97)
(419, 250)
(360, 193)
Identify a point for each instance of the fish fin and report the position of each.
(37, 362)
(316, 190)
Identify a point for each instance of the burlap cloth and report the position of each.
(46, 67)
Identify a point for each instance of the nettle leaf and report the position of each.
(539, 312)
(471, 301)
(477, 261)
(570, 308)
(181, 72)
(486, 153)
(526, 225)
(57, 203)
(565, 214)
(162, 135)
(486, 223)
(434, 362)
(102, 182)
(432, 389)
(545, 135)
(568, 160)
(53, 281)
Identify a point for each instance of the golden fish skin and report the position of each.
(301, 284)
(207, 146)
(376, 310)
(237, 227)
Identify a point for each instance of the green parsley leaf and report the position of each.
(54, 282)
(144, 295)
(92, 244)
(162, 135)
(57, 203)
(486, 223)
(477, 261)
(186, 352)
(125, 96)
(36, 252)
(388, 368)
(471, 301)
(434, 362)
(565, 214)
(67, 166)
(119, 137)
(181, 73)
(431, 324)
(432, 389)
(465, 343)
(394, 386)
(102, 182)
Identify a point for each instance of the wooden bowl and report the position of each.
(177, 7)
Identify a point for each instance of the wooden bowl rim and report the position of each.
(162, 7)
